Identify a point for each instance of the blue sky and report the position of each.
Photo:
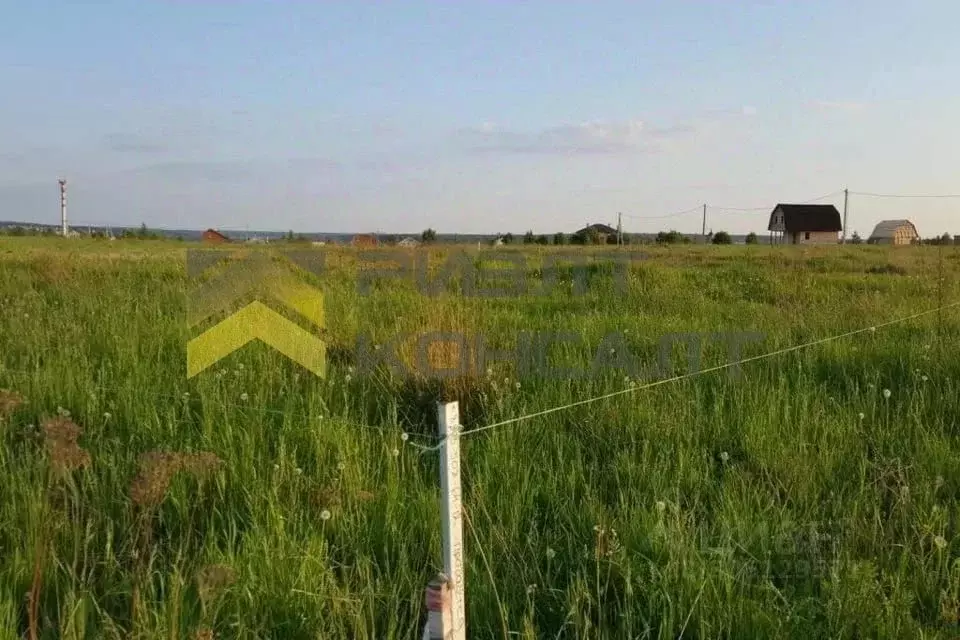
(478, 117)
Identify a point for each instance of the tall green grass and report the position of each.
(761, 505)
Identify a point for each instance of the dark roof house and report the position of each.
(804, 224)
(600, 233)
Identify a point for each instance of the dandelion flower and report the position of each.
(404, 436)
(325, 515)
(724, 457)
(244, 397)
(886, 394)
(941, 542)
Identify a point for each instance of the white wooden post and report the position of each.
(451, 512)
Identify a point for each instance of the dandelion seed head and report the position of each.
(661, 506)
(107, 415)
(517, 385)
(325, 515)
(347, 378)
(395, 453)
(551, 554)
(924, 378)
(941, 542)
(887, 393)
(860, 415)
(404, 436)
(244, 397)
(298, 471)
(724, 456)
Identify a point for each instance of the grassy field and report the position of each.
(258, 501)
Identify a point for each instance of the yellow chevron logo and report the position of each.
(256, 321)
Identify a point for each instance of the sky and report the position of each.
(477, 117)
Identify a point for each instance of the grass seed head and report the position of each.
(10, 401)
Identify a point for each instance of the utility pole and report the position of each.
(63, 207)
(619, 229)
(704, 231)
(846, 197)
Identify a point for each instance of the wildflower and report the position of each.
(938, 482)
(240, 366)
(941, 542)
(531, 588)
(186, 395)
(924, 378)
(860, 415)
(236, 372)
(244, 397)
(296, 377)
(395, 453)
(489, 373)
(63, 413)
(551, 554)
(886, 394)
(298, 471)
(350, 369)
(873, 329)
(517, 385)
(661, 506)
(341, 466)
(404, 436)
(506, 382)
(325, 515)
(724, 457)
(276, 467)
(347, 378)
(107, 415)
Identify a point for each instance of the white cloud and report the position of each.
(830, 105)
(586, 137)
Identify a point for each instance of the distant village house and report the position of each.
(212, 236)
(365, 240)
(897, 232)
(805, 224)
(599, 233)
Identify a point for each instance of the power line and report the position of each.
(901, 195)
(823, 197)
(669, 215)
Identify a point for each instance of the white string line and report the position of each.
(693, 374)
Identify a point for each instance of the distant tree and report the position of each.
(390, 239)
(542, 239)
(429, 236)
(670, 237)
(290, 236)
(580, 237)
(945, 239)
(17, 231)
(722, 237)
(507, 238)
(560, 239)
(856, 239)
(528, 238)
(143, 233)
(956, 239)
(752, 238)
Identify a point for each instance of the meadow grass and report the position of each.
(258, 501)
